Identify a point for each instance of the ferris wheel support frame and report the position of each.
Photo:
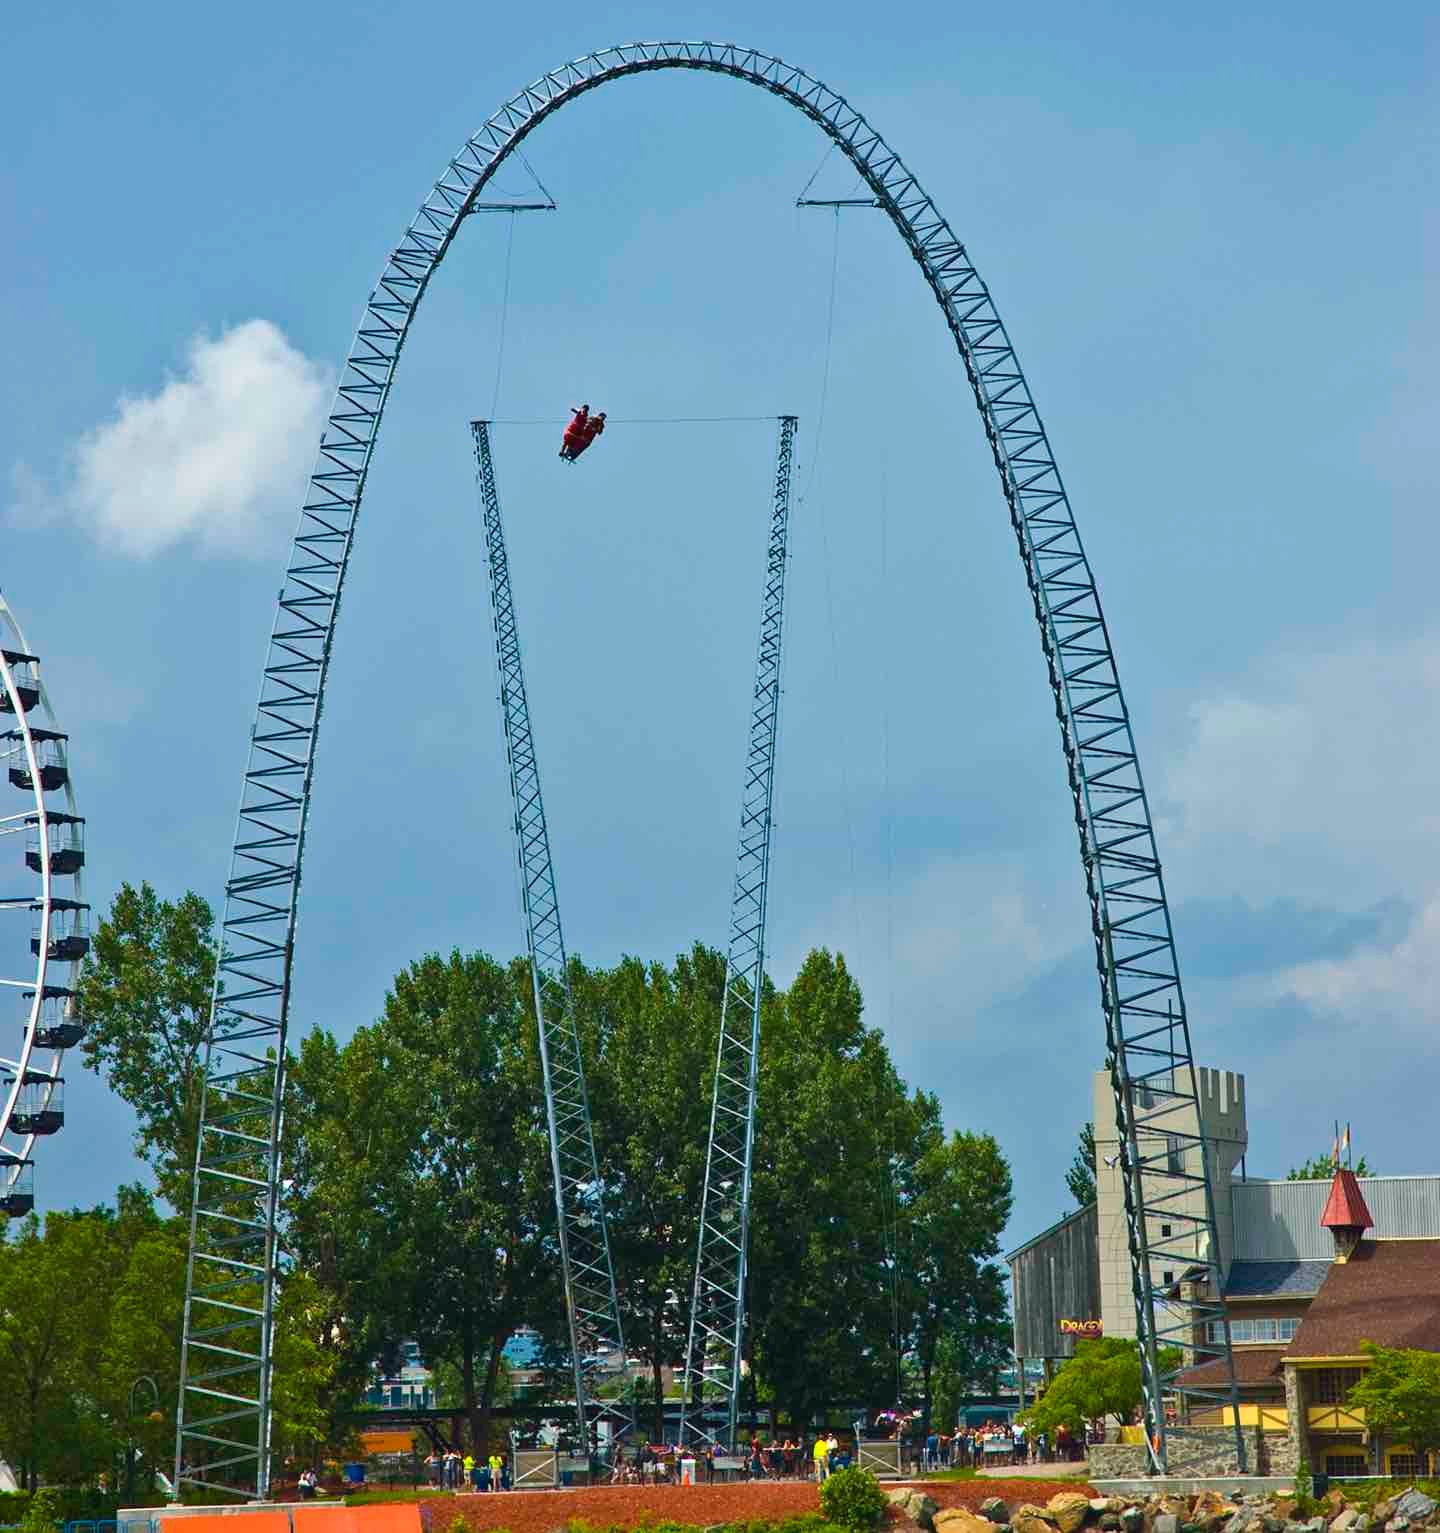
(224, 1394)
(718, 1311)
(14, 1162)
(592, 1304)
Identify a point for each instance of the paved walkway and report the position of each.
(1061, 1471)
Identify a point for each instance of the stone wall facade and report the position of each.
(1295, 1405)
(1192, 1452)
(1118, 1461)
(1274, 1453)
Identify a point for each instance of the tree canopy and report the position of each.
(1400, 1395)
(1322, 1168)
(1080, 1178)
(1101, 1379)
(145, 995)
(417, 1202)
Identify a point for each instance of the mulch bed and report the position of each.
(545, 1511)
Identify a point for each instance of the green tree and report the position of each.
(975, 1348)
(1400, 1395)
(651, 1033)
(956, 1202)
(145, 994)
(142, 1331)
(835, 1130)
(420, 1198)
(1101, 1379)
(1080, 1178)
(1322, 1168)
(305, 1369)
(420, 1201)
(55, 1290)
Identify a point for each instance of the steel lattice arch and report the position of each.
(223, 1429)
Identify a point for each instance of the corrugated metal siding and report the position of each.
(1280, 1221)
(1056, 1276)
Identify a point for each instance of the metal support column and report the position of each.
(717, 1312)
(591, 1302)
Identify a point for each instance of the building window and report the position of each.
(1175, 1154)
(1347, 1464)
(1409, 1465)
(1332, 1385)
(1164, 1232)
(1255, 1330)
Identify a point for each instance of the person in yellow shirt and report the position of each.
(468, 1465)
(821, 1455)
(496, 1465)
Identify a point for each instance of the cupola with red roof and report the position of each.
(1346, 1215)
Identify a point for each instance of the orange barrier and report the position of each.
(400, 1517)
(220, 1522)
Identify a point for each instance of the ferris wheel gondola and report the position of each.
(44, 920)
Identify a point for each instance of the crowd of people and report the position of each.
(453, 1471)
(788, 1459)
(994, 1444)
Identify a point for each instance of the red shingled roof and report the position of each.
(1253, 1366)
(1388, 1293)
(1345, 1209)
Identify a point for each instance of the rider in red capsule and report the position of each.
(574, 442)
(582, 430)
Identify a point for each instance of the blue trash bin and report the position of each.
(354, 1474)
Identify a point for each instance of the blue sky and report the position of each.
(1211, 234)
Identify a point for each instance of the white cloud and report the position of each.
(217, 457)
(1313, 779)
(958, 934)
(1397, 984)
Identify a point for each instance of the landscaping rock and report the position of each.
(1030, 1519)
(1415, 1505)
(961, 1520)
(923, 1509)
(1165, 1522)
(1068, 1510)
(993, 1508)
(1211, 1507)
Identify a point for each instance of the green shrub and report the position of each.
(853, 1498)
(457, 1524)
(797, 1522)
(45, 1513)
(13, 1506)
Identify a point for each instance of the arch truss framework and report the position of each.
(223, 1428)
